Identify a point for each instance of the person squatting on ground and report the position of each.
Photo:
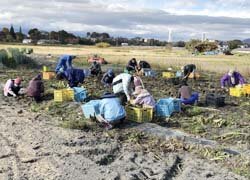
(36, 88)
(143, 98)
(186, 95)
(232, 79)
(111, 111)
(64, 63)
(123, 86)
(143, 66)
(107, 78)
(73, 76)
(95, 68)
(187, 70)
(12, 87)
(132, 65)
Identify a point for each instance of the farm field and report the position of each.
(55, 141)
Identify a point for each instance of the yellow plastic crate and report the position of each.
(247, 89)
(197, 75)
(139, 114)
(63, 95)
(48, 75)
(69, 94)
(58, 96)
(236, 92)
(168, 74)
(46, 69)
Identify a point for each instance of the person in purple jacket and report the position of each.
(231, 79)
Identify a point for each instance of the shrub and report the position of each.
(103, 45)
(12, 57)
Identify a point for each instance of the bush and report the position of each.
(12, 57)
(103, 45)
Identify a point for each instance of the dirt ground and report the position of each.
(37, 140)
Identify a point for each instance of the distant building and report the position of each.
(27, 41)
(242, 50)
(124, 44)
(45, 41)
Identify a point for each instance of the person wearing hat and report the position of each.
(108, 77)
(187, 70)
(111, 112)
(64, 63)
(231, 79)
(143, 98)
(73, 76)
(138, 81)
(36, 88)
(12, 87)
(95, 68)
(143, 66)
(132, 65)
(123, 85)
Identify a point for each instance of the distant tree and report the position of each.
(12, 32)
(35, 34)
(9, 38)
(192, 44)
(20, 35)
(180, 44)
(234, 44)
(88, 34)
(206, 46)
(6, 31)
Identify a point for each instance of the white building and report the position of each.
(27, 41)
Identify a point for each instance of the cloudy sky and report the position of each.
(218, 19)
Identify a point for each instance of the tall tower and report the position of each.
(169, 36)
(203, 38)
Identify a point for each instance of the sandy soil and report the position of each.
(33, 147)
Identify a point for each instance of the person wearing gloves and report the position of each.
(111, 112)
(123, 86)
(108, 77)
(95, 68)
(143, 98)
(12, 87)
(232, 79)
(187, 70)
(132, 65)
(36, 88)
(64, 63)
(73, 76)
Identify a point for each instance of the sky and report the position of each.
(187, 19)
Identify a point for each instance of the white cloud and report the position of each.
(188, 18)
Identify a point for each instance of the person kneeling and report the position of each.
(143, 98)
(111, 111)
(12, 87)
(186, 95)
(36, 88)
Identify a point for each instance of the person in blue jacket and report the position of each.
(73, 76)
(64, 63)
(111, 111)
(107, 78)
